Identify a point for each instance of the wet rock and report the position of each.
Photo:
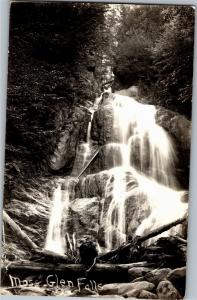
(147, 295)
(176, 124)
(126, 289)
(102, 125)
(166, 290)
(5, 292)
(92, 185)
(138, 272)
(179, 128)
(155, 276)
(83, 217)
(100, 185)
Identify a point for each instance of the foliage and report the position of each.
(55, 52)
(139, 29)
(156, 51)
(173, 59)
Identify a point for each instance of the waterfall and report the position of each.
(55, 241)
(85, 150)
(56, 233)
(58, 238)
(143, 148)
(143, 168)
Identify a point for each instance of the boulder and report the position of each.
(155, 276)
(178, 279)
(166, 290)
(83, 218)
(125, 289)
(109, 289)
(176, 124)
(177, 274)
(179, 128)
(100, 185)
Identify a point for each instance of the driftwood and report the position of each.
(141, 239)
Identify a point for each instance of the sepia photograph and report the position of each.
(97, 150)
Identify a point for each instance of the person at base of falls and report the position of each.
(88, 251)
(107, 98)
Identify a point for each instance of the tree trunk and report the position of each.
(20, 234)
(141, 239)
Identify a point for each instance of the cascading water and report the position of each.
(57, 236)
(143, 172)
(56, 233)
(55, 241)
(145, 150)
(87, 145)
(85, 150)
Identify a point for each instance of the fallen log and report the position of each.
(37, 252)
(141, 239)
(19, 232)
(159, 230)
(75, 268)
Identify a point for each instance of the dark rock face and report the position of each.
(177, 125)
(74, 132)
(102, 125)
(179, 128)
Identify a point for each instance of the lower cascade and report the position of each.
(141, 191)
